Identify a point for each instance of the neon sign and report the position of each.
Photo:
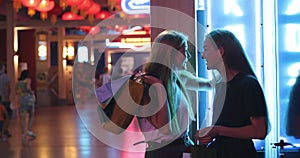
(231, 6)
(292, 8)
(292, 33)
(136, 6)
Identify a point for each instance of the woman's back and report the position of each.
(22, 87)
(24, 93)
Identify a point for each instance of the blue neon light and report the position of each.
(288, 59)
(136, 6)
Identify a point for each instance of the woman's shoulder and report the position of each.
(247, 80)
(246, 77)
(24, 81)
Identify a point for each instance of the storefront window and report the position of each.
(289, 71)
(270, 33)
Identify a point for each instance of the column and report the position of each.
(62, 94)
(10, 50)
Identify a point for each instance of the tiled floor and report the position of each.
(69, 132)
(74, 132)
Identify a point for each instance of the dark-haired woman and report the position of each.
(239, 109)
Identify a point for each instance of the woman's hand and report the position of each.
(151, 79)
(206, 135)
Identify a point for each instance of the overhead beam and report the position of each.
(60, 23)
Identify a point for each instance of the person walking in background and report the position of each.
(239, 108)
(4, 94)
(26, 103)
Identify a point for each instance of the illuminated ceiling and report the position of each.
(117, 17)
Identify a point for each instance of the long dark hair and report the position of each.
(234, 56)
(24, 75)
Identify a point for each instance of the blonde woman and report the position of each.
(165, 118)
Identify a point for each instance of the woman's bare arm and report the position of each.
(195, 83)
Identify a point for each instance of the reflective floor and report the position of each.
(62, 133)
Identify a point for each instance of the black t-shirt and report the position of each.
(234, 104)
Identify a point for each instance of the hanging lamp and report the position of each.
(30, 4)
(94, 9)
(43, 7)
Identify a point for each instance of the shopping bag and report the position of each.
(119, 107)
(202, 151)
(106, 91)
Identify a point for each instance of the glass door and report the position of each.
(289, 73)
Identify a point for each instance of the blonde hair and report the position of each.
(165, 48)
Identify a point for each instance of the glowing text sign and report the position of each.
(136, 6)
(292, 34)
